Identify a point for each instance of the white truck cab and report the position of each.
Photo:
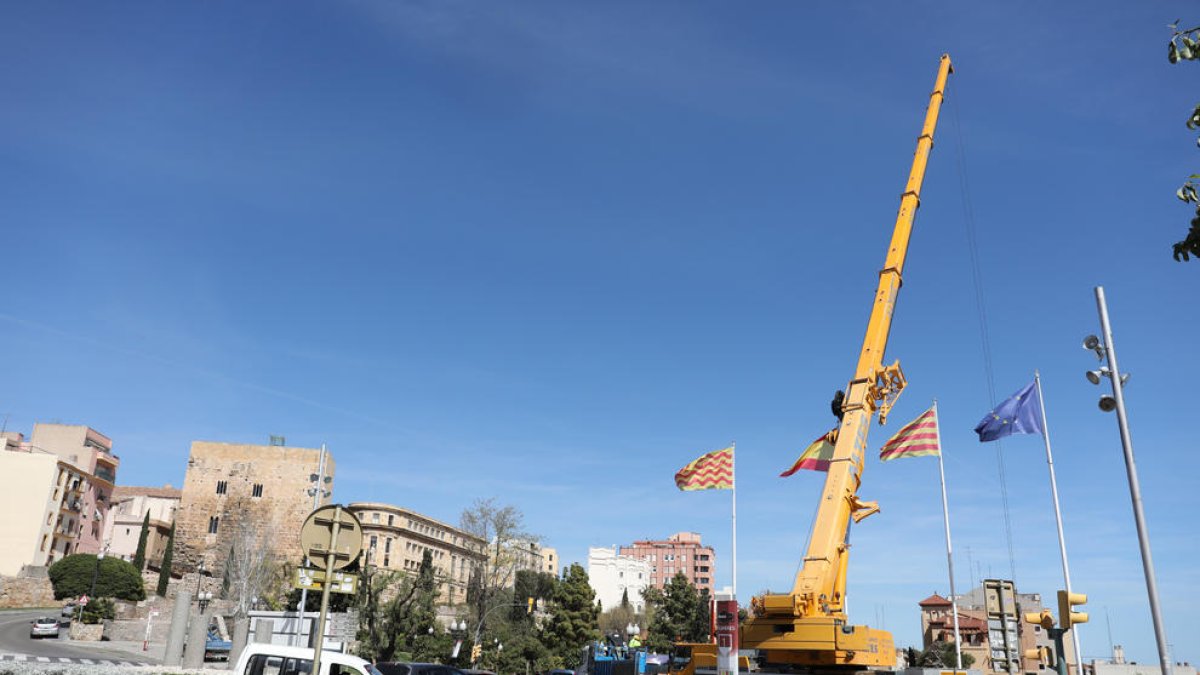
(264, 659)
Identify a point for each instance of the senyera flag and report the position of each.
(711, 471)
(816, 456)
(918, 438)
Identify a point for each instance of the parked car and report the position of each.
(264, 659)
(560, 671)
(68, 611)
(472, 671)
(403, 668)
(43, 627)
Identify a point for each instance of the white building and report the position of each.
(612, 576)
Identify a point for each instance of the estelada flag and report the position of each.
(712, 471)
(918, 438)
(815, 457)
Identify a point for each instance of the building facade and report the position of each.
(238, 491)
(91, 452)
(129, 508)
(980, 641)
(680, 552)
(550, 560)
(43, 508)
(397, 539)
(614, 576)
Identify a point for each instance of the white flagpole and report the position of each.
(1062, 544)
(949, 551)
(733, 467)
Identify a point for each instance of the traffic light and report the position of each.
(530, 609)
(1043, 655)
(1067, 602)
(476, 652)
(1043, 618)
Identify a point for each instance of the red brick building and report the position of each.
(680, 552)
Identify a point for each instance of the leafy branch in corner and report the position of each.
(1185, 46)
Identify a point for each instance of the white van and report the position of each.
(264, 659)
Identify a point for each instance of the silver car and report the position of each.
(44, 627)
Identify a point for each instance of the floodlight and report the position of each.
(1093, 376)
(1091, 342)
(1108, 403)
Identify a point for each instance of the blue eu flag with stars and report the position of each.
(1020, 413)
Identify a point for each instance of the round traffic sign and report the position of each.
(316, 536)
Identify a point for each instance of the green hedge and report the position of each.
(72, 577)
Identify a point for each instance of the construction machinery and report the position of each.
(808, 629)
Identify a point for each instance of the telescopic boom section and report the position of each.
(797, 621)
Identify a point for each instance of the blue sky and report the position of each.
(552, 251)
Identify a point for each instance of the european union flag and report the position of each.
(1020, 413)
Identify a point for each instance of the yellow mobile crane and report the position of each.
(808, 627)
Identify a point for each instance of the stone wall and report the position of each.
(260, 487)
(26, 592)
(87, 632)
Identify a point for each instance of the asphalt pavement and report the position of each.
(14, 639)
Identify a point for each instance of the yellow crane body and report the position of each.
(808, 627)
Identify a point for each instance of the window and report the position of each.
(213, 522)
(391, 519)
(387, 545)
(374, 517)
(222, 486)
(127, 531)
(387, 561)
(256, 491)
(374, 541)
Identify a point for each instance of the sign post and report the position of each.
(332, 539)
(727, 634)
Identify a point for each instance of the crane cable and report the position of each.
(981, 308)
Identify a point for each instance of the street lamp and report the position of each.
(203, 599)
(95, 576)
(1103, 347)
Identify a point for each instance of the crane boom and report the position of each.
(809, 625)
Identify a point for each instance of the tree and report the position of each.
(164, 570)
(251, 571)
(940, 655)
(573, 623)
(139, 558)
(370, 604)
(98, 610)
(75, 575)
(679, 614)
(501, 527)
(1185, 45)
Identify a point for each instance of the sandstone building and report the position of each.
(395, 538)
(680, 552)
(129, 508)
(240, 491)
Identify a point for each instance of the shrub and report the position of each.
(98, 610)
(72, 577)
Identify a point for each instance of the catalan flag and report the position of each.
(816, 456)
(918, 438)
(712, 471)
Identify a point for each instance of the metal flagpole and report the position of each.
(733, 471)
(949, 554)
(1062, 543)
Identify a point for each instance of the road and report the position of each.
(14, 639)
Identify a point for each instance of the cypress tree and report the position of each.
(139, 558)
(164, 572)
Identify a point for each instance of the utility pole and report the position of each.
(316, 490)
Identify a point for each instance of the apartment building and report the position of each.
(45, 503)
(680, 552)
(130, 505)
(234, 490)
(90, 452)
(396, 538)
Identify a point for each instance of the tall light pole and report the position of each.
(1117, 402)
(317, 491)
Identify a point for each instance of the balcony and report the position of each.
(106, 474)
